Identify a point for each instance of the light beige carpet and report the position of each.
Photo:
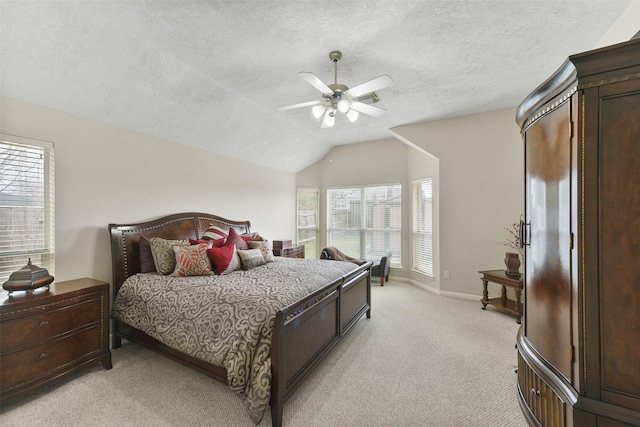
(421, 360)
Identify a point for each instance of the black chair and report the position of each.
(381, 268)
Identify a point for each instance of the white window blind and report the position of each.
(366, 222)
(27, 222)
(308, 208)
(422, 206)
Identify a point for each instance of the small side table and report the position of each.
(503, 303)
(293, 252)
(279, 245)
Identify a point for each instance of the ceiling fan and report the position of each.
(338, 97)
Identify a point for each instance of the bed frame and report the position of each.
(303, 333)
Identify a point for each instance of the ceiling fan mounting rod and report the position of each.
(335, 57)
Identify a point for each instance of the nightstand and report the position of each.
(49, 334)
(279, 245)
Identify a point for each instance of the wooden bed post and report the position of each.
(116, 339)
(278, 378)
(369, 295)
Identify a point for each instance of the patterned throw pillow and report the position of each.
(192, 260)
(251, 258)
(225, 259)
(241, 244)
(214, 233)
(264, 247)
(163, 255)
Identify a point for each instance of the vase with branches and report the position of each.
(512, 261)
(513, 239)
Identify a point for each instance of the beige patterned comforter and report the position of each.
(225, 320)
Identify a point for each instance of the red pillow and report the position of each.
(241, 244)
(247, 238)
(225, 258)
(217, 243)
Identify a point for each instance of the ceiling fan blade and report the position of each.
(314, 81)
(371, 86)
(368, 109)
(302, 104)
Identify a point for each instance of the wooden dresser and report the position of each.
(579, 343)
(49, 334)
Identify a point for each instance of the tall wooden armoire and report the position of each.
(579, 343)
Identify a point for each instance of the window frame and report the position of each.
(311, 251)
(363, 230)
(422, 228)
(14, 256)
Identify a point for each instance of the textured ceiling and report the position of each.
(211, 74)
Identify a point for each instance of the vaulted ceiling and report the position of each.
(211, 73)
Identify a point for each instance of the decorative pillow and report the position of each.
(225, 259)
(247, 238)
(163, 255)
(252, 236)
(251, 258)
(146, 257)
(241, 245)
(192, 260)
(264, 247)
(214, 233)
(209, 243)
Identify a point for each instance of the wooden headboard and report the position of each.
(125, 238)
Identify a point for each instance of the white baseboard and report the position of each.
(438, 291)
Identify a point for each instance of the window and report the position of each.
(422, 201)
(26, 205)
(308, 201)
(365, 222)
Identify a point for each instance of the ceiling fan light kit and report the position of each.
(337, 97)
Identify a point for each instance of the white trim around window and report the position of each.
(27, 204)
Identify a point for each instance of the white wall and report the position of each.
(106, 174)
(481, 163)
(625, 27)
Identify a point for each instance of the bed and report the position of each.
(303, 308)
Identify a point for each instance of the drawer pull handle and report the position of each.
(43, 323)
(43, 355)
(535, 392)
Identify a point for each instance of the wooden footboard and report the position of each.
(305, 332)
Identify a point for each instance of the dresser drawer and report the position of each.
(47, 324)
(30, 364)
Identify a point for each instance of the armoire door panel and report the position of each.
(548, 263)
(619, 246)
